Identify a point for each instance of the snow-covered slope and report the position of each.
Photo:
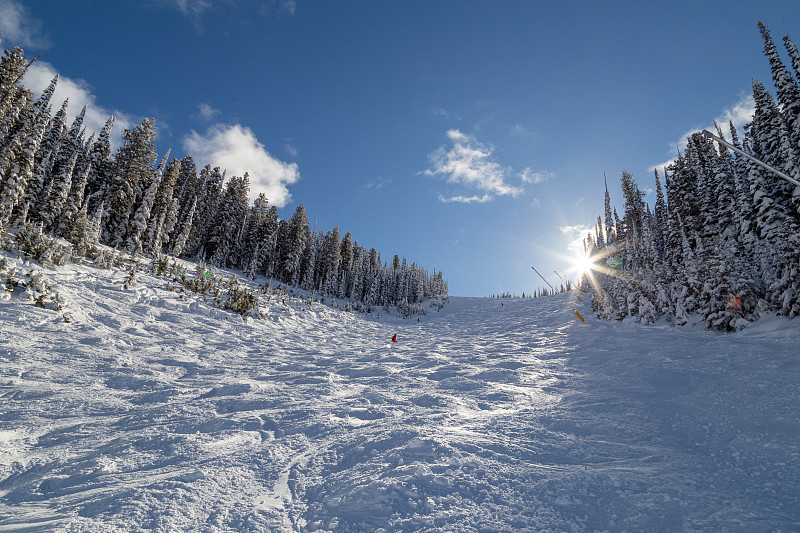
(152, 412)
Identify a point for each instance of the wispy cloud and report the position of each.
(289, 6)
(196, 10)
(441, 112)
(79, 92)
(469, 163)
(236, 149)
(378, 183)
(739, 113)
(520, 130)
(192, 10)
(291, 150)
(529, 176)
(206, 112)
(19, 28)
(465, 199)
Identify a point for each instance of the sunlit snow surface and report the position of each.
(152, 412)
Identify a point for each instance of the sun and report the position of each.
(582, 264)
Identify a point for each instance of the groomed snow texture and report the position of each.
(150, 412)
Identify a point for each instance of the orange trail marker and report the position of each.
(577, 314)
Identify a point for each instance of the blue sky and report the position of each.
(468, 136)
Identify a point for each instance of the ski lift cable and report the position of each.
(750, 157)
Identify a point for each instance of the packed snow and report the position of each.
(152, 411)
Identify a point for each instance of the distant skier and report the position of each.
(394, 338)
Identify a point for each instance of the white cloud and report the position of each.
(39, 76)
(19, 28)
(519, 129)
(237, 150)
(536, 203)
(469, 163)
(379, 183)
(576, 234)
(529, 176)
(445, 113)
(291, 150)
(207, 112)
(739, 113)
(457, 137)
(193, 8)
(289, 6)
(466, 199)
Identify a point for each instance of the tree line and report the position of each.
(723, 239)
(53, 177)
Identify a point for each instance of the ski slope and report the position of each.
(150, 412)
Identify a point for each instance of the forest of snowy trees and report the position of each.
(54, 178)
(723, 239)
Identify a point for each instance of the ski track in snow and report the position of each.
(152, 412)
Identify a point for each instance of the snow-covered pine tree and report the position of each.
(310, 260)
(609, 220)
(133, 165)
(13, 95)
(70, 144)
(294, 245)
(268, 253)
(57, 195)
(787, 88)
(162, 207)
(101, 165)
(772, 144)
(16, 173)
(660, 219)
(66, 220)
(252, 237)
(345, 266)
(183, 235)
(209, 193)
(793, 54)
(359, 262)
(331, 260)
(138, 224)
(229, 223)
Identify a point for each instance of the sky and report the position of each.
(470, 137)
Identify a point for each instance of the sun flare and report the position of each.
(582, 265)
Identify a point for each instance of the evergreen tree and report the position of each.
(346, 266)
(13, 94)
(229, 223)
(17, 171)
(133, 165)
(57, 195)
(183, 236)
(100, 163)
(788, 90)
(71, 211)
(138, 224)
(209, 193)
(794, 54)
(294, 245)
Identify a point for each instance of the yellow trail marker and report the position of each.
(577, 314)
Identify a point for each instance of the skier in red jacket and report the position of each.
(394, 338)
